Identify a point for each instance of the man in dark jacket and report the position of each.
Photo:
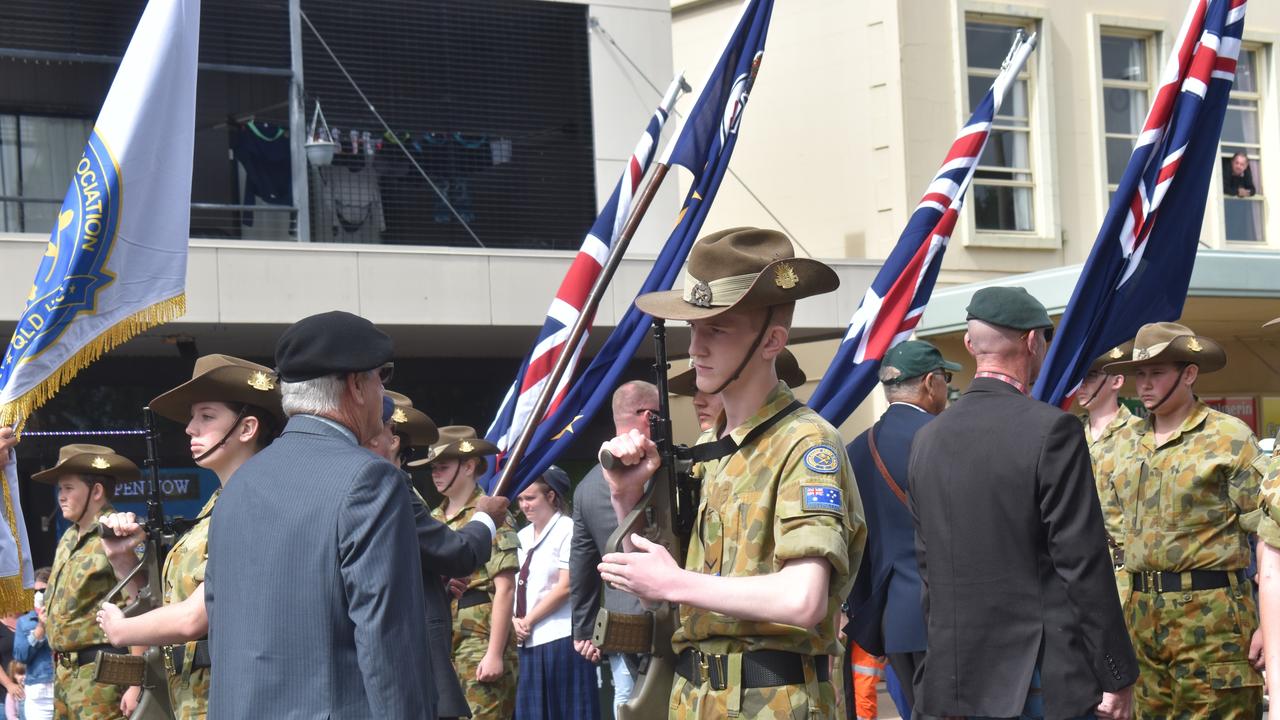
(1020, 600)
(886, 618)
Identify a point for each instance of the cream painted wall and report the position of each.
(858, 102)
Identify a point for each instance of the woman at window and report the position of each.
(232, 410)
(555, 681)
(1239, 179)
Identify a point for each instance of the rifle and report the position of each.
(147, 670)
(664, 515)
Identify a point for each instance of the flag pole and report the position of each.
(579, 330)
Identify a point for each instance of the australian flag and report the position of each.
(703, 147)
(567, 305)
(1140, 266)
(896, 300)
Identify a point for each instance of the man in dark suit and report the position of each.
(445, 553)
(885, 614)
(1020, 600)
(593, 522)
(314, 583)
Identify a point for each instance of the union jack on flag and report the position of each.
(895, 302)
(566, 306)
(1140, 266)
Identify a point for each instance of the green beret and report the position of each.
(912, 359)
(1011, 307)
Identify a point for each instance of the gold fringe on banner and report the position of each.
(19, 410)
(14, 599)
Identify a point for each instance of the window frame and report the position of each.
(1259, 96)
(1152, 38)
(22, 200)
(1047, 225)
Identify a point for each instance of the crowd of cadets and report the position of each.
(779, 536)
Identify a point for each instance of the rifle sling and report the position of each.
(726, 446)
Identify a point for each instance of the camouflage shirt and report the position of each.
(1195, 497)
(79, 582)
(1269, 524)
(788, 495)
(1109, 452)
(184, 565)
(505, 544)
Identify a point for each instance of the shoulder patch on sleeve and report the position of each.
(822, 459)
(822, 498)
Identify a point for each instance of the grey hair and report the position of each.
(318, 396)
(904, 388)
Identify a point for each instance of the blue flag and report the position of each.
(1140, 266)
(703, 147)
(896, 300)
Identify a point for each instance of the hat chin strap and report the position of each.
(456, 469)
(225, 437)
(1094, 396)
(1173, 389)
(747, 358)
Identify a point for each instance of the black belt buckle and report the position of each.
(712, 669)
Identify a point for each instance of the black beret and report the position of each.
(557, 480)
(328, 344)
(1011, 307)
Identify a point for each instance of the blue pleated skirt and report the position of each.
(556, 683)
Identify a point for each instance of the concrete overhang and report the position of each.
(434, 301)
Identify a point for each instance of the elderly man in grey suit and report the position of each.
(314, 583)
(593, 522)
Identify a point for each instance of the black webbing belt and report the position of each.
(473, 597)
(760, 668)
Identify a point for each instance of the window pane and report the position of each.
(1015, 104)
(1243, 219)
(1241, 122)
(1124, 58)
(987, 44)
(1124, 110)
(9, 155)
(51, 147)
(1002, 208)
(10, 217)
(1247, 71)
(1241, 177)
(1007, 148)
(1118, 152)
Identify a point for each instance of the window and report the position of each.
(1003, 186)
(1244, 202)
(37, 156)
(1126, 88)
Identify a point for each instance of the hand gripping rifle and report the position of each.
(147, 670)
(665, 516)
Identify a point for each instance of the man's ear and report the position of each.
(1117, 382)
(774, 342)
(1189, 377)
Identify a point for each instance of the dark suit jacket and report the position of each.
(314, 586)
(886, 616)
(445, 553)
(593, 522)
(1014, 559)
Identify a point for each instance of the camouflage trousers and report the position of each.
(701, 702)
(190, 697)
(77, 697)
(1192, 652)
(487, 700)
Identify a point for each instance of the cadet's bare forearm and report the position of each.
(504, 595)
(795, 595)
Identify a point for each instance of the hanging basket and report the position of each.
(320, 146)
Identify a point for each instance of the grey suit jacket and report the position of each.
(446, 553)
(593, 522)
(314, 586)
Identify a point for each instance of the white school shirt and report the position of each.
(549, 558)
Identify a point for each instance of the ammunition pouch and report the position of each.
(617, 632)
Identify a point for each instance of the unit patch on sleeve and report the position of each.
(822, 498)
(822, 459)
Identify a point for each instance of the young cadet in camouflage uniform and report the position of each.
(1193, 480)
(1269, 555)
(86, 477)
(1111, 431)
(231, 410)
(779, 530)
(484, 649)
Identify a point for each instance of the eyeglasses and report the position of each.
(386, 372)
(946, 375)
(646, 411)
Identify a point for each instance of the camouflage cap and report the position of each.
(911, 359)
(1011, 307)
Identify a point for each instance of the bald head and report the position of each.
(985, 339)
(631, 404)
(1018, 353)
